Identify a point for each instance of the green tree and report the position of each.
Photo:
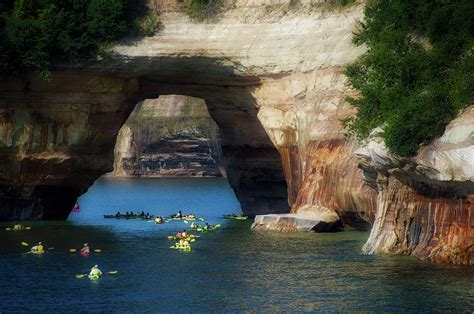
(34, 34)
(417, 72)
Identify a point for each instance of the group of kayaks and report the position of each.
(183, 238)
(95, 272)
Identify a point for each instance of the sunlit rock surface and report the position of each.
(307, 219)
(172, 136)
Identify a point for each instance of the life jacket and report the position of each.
(39, 248)
(95, 272)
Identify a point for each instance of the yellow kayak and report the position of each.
(238, 217)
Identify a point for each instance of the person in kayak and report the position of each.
(184, 234)
(17, 227)
(95, 271)
(179, 235)
(85, 251)
(38, 248)
(118, 214)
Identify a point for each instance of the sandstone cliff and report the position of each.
(271, 74)
(169, 136)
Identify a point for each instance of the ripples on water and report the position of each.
(231, 270)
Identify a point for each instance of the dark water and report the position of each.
(231, 270)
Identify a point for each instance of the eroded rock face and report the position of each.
(172, 136)
(55, 145)
(425, 205)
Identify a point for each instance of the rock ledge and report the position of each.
(295, 223)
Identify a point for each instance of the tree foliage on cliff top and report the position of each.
(418, 72)
(36, 33)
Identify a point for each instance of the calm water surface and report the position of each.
(231, 270)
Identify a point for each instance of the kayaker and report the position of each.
(17, 227)
(142, 214)
(38, 248)
(184, 234)
(127, 214)
(179, 235)
(132, 213)
(118, 214)
(95, 271)
(179, 215)
(85, 251)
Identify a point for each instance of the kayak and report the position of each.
(37, 252)
(185, 248)
(94, 277)
(236, 217)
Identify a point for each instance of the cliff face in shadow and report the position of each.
(274, 85)
(172, 136)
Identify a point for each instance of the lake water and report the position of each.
(230, 270)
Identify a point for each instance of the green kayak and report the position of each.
(185, 248)
(94, 277)
(236, 217)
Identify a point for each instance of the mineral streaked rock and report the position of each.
(425, 204)
(53, 146)
(169, 136)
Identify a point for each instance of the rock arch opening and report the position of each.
(60, 137)
(171, 136)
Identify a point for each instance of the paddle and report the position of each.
(27, 228)
(114, 272)
(185, 221)
(79, 276)
(51, 248)
(72, 250)
(24, 244)
(201, 218)
(8, 229)
(98, 250)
